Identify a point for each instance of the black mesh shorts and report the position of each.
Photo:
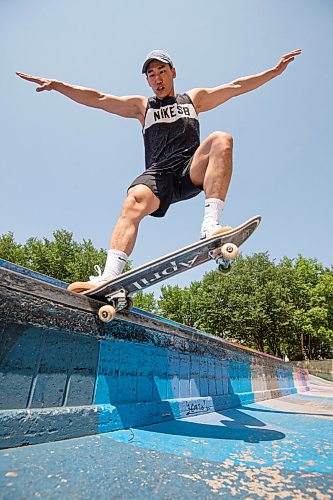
(170, 186)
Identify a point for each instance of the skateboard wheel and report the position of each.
(106, 313)
(229, 251)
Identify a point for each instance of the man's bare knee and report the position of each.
(221, 141)
(140, 201)
(132, 209)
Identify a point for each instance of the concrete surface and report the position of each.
(281, 448)
(319, 367)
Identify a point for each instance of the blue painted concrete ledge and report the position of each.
(64, 374)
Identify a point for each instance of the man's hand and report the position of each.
(44, 83)
(285, 60)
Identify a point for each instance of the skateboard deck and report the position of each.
(223, 248)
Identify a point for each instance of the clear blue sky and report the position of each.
(67, 166)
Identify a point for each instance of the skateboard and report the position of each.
(223, 248)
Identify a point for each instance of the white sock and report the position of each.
(213, 211)
(115, 264)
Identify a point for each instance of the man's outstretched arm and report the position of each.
(127, 106)
(205, 99)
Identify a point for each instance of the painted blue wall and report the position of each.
(56, 384)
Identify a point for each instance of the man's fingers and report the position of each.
(43, 83)
(293, 53)
(24, 75)
(34, 79)
(297, 51)
(288, 59)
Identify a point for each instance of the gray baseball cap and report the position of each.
(157, 55)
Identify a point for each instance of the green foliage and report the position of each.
(12, 251)
(182, 305)
(62, 258)
(146, 302)
(281, 309)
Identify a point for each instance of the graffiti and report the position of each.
(193, 408)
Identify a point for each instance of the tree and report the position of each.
(309, 287)
(146, 302)
(12, 251)
(62, 258)
(282, 309)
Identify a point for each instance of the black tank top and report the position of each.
(171, 132)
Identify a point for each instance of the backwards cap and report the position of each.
(157, 55)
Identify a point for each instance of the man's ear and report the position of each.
(174, 73)
(148, 81)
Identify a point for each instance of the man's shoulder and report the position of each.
(192, 94)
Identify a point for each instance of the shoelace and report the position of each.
(98, 270)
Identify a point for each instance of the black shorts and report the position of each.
(170, 186)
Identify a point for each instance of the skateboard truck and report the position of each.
(224, 256)
(116, 302)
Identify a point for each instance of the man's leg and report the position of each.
(211, 168)
(140, 201)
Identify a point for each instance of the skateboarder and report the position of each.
(178, 167)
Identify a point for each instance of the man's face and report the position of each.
(160, 78)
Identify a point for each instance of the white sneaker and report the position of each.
(96, 280)
(213, 229)
(84, 286)
(101, 278)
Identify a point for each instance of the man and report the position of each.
(178, 167)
